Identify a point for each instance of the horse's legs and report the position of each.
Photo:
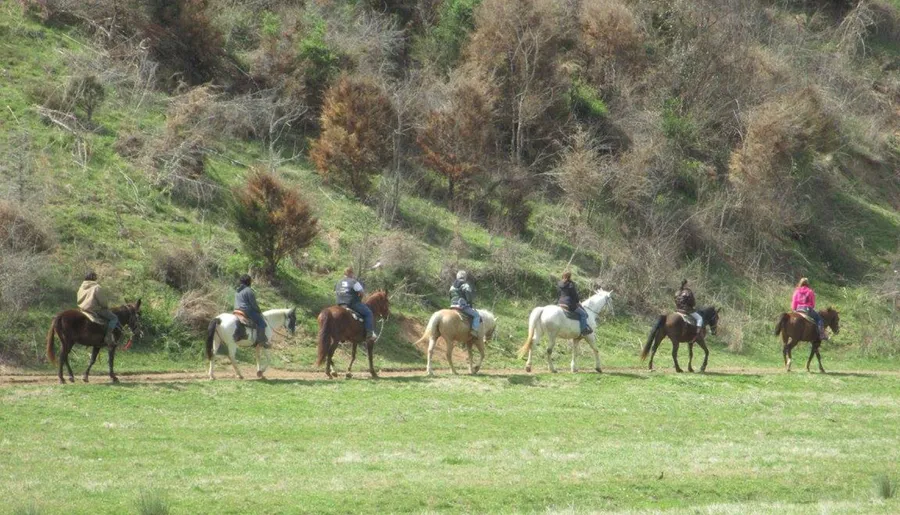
(573, 367)
(329, 363)
(431, 344)
(819, 356)
(480, 344)
(591, 341)
(702, 343)
(65, 357)
(370, 351)
(112, 359)
(450, 354)
(551, 342)
(353, 345)
(61, 359)
(470, 360)
(261, 352)
(675, 355)
(232, 351)
(537, 339)
(94, 352)
(659, 338)
(784, 351)
(790, 356)
(691, 356)
(212, 360)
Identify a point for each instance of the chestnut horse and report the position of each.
(673, 326)
(795, 329)
(74, 327)
(336, 325)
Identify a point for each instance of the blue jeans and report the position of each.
(815, 316)
(582, 318)
(366, 314)
(472, 312)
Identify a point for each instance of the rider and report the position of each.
(685, 303)
(92, 299)
(462, 297)
(349, 292)
(245, 302)
(804, 301)
(569, 300)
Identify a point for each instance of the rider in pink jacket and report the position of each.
(804, 300)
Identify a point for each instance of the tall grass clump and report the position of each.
(152, 502)
(885, 487)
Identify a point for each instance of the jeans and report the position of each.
(582, 318)
(472, 312)
(260, 322)
(366, 314)
(815, 316)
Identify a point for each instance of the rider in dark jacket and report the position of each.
(568, 299)
(462, 297)
(349, 293)
(685, 303)
(245, 302)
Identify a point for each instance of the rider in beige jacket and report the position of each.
(92, 299)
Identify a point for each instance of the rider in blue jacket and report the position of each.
(349, 292)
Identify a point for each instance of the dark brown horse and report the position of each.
(74, 327)
(795, 329)
(673, 326)
(337, 325)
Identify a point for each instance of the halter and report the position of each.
(597, 313)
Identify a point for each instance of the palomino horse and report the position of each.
(552, 321)
(795, 329)
(74, 327)
(336, 325)
(222, 328)
(454, 327)
(674, 326)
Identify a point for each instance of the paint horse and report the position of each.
(223, 328)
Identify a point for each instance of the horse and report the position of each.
(74, 327)
(674, 326)
(337, 324)
(222, 328)
(454, 326)
(552, 321)
(794, 328)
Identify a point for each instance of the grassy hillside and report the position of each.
(99, 207)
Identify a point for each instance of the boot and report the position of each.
(587, 331)
(109, 339)
(822, 334)
(475, 333)
(372, 337)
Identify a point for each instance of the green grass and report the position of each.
(521, 443)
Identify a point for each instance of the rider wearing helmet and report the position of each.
(569, 300)
(349, 292)
(462, 297)
(245, 302)
(93, 300)
(685, 303)
(804, 301)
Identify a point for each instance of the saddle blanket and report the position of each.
(807, 316)
(93, 317)
(571, 315)
(462, 314)
(688, 318)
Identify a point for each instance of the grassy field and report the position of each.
(715, 443)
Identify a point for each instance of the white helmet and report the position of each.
(461, 275)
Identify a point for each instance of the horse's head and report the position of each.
(291, 322)
(832, 319)
(600, 299)
(711, 317)
(133, 320)
(379, 304)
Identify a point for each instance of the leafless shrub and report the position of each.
(182, 269)
(610, 37)
(582, 173)
(21, 233)
(196, 308)
(23, 244)
(855, 28)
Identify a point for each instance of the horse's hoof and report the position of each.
(71, 379)
(598, 370)
(477, 369)
(680, 371)
(241, 378)
(349, 375)
(85, 379)
(62, 381)
(115, 379)
(553, 371)
(528, 368)
(374, 376)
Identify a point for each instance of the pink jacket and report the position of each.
(804, 297)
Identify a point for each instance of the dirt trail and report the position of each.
(13, 379)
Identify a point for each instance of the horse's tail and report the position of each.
(51, 353)
(324, 329)
(782, 323)
(432, 329)
(533, 321)
(656, 328)
(210, 336)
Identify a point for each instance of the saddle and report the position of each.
(245, 329)
(356, 316)
(571, 315)
(688, 318)
(93, 317)
(462, 314)
(806, 316)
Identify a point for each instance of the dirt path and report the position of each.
(24, 378)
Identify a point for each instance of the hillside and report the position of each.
(638, 143)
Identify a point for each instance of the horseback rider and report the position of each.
(245, 303)
(462, 298)
(569, 300)
(804, 301)
(349, 292)
(93, 300)
(685, 304)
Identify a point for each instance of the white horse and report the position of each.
(221, 330)
(552, 321)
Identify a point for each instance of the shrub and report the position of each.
(152, 503)
(443, 42)
(21, 233)
(85, 92)
(401, 259)
(609, 36)
(182, 269)
(196, 308)
(183, 37)
(272, 220)
(357, 125)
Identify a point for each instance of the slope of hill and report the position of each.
(88, 183)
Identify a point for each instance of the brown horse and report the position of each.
(337, 325)
(795, 329)
(673, 326)
(74, 327)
